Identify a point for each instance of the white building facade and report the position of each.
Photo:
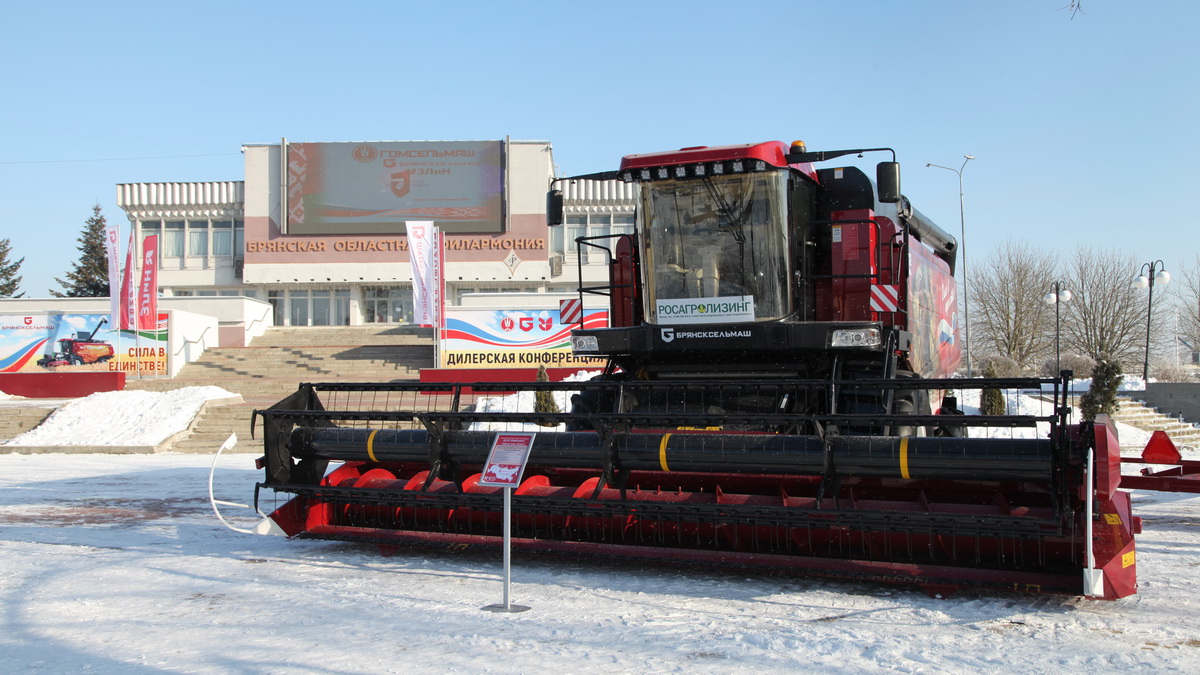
(318, 230)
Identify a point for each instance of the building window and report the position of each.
(277, 307)
(197, 238)
(576, 227)
(152, 227)
(171, 245)
(297, 308)
(321, 308)
(557, 239)
(387, 304)
(562, 239)
(622, 224)
(222, 237)
(316, 307)
(341, 307)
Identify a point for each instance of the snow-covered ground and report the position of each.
(117, 564)
(122, 418)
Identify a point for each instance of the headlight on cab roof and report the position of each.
(585, 344)
(859, 337)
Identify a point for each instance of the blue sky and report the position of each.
(1084, 129)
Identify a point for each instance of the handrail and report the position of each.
(262, 319)
(185, 341)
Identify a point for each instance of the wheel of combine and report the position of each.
(589, 402)
(866, 400)
(582, 405)
(875, 401)
(910, 402)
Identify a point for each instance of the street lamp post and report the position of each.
(1148, 274)
(962, 246)
(1057, 297)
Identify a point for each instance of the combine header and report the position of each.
(776, 395)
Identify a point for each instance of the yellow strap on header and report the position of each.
(662, 453)
(904, 458)
(371, 445)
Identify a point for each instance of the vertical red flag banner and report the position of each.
(439, 278)
(112, 241)
(439, 286)
(421, 236)
(148, 286)
(129, 311)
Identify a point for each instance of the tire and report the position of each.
(910, 402)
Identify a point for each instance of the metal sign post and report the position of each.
(503, 469)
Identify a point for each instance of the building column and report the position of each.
(356, 296)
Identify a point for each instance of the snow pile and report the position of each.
(122, 418)
(524, 402)
(1080, 385)
(1132, 439)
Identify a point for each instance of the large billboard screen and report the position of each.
(374, 188)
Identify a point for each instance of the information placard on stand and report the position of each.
(504, 467)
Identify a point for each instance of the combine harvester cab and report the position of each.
(777, 395)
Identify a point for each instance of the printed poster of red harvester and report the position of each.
(79, 342)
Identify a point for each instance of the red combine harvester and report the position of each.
(82, 349)
(781, 342)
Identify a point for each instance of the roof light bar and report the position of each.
(702, 170)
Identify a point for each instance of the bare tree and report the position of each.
(1187, 308)
(1009, 317)
(1106, 318)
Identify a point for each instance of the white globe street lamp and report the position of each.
(1150, 273)
(1057, 297)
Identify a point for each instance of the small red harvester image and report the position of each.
(79, 350)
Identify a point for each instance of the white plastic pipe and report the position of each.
(1093, 579)
(265, 526)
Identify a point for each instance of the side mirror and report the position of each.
(554, 208)
(887, 178)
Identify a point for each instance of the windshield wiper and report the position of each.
(734, 227)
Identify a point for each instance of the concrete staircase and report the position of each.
(16, 420)
(1137, 414)
(276, 363)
